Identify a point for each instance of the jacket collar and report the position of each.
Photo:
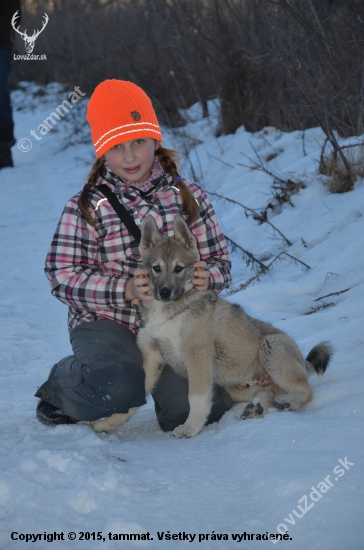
(162, 182)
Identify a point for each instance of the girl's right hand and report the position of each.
(138, 286)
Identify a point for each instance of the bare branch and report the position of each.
(256, 215)
(332, 294)
(248, 256)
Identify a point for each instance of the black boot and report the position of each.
(52, 416)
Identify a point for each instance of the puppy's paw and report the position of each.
(253, 411)
(103, 426)
(185, 431)
(281, 406)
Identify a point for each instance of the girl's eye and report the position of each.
(139, 141)
(178, 269)
(157, 268)
(118, 146)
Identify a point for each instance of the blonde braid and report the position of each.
(92, 178)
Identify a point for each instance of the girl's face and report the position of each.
(132, 160)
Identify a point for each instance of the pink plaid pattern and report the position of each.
(89, 267)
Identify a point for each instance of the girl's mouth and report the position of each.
(132, 170)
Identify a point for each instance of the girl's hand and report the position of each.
(138, 286)
(202, 280)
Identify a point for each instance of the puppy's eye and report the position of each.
(157, 268)
(178, 269)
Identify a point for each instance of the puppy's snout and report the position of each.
(165, 293)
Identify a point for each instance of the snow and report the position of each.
(236, 476)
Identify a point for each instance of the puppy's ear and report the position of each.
(182, 234)
(150, 234)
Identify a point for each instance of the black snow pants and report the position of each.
(105, 376)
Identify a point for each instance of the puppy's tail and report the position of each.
(318, 358)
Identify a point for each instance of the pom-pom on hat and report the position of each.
(119, 111)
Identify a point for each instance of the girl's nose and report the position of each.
(129, 155)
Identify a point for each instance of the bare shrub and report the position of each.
(333, 91)
(184, 51)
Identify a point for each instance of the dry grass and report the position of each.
(339, 178)
(271, 156)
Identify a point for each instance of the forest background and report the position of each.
(291, 64)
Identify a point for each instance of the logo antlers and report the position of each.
(29, 40)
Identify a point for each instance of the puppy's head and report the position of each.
(169, 260)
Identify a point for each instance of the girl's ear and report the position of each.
(156, 145)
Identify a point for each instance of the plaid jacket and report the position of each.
(88, 267)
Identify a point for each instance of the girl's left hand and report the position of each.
(202, 280)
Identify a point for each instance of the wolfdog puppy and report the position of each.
(209, 340)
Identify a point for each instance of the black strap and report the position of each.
(121, 211)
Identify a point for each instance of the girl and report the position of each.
(93, 266)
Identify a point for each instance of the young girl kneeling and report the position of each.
(93, 265)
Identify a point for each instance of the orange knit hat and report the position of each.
(119, 111)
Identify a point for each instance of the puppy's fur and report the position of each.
(209, 340)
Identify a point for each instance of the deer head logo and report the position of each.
(29, 40)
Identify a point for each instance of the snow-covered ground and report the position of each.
(235, 477)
